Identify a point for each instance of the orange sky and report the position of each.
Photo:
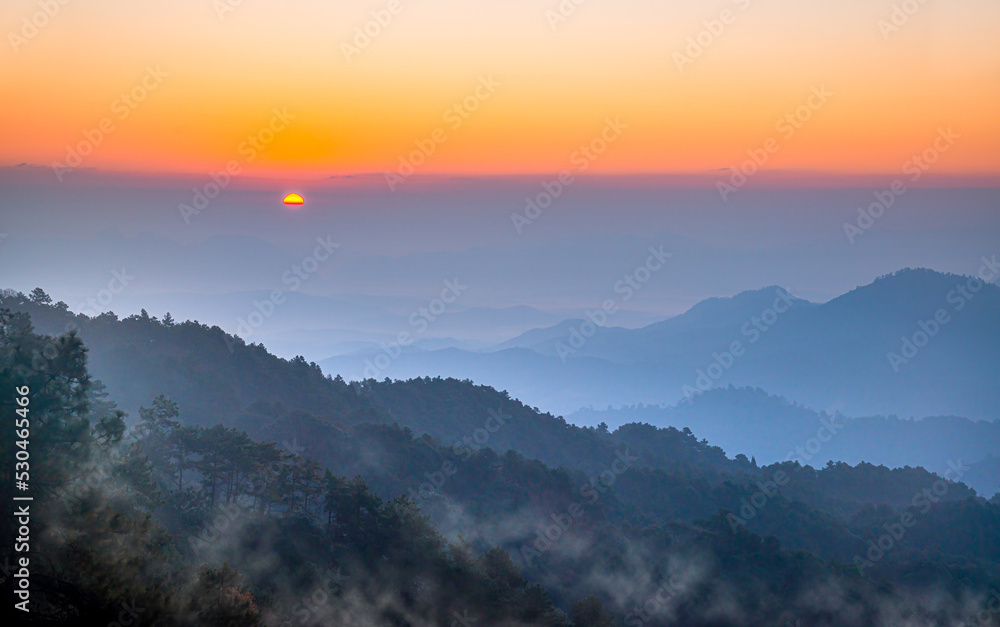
(225, 74)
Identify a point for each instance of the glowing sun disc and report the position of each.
(294, 199)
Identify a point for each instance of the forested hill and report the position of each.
(218, 379)
(247, 513)
(212, 375)
(174, 525)
(461, 412)
(772, 429)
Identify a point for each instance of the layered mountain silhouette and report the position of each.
(771, 429)
(591, 515)
(914, 343)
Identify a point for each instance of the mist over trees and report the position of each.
(301, 499)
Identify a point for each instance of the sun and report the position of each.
(294, 199)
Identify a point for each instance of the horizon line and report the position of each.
(702, 179)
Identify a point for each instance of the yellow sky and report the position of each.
(221, 75)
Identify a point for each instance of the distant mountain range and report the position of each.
(741, 420)
(522, 496)
(914, 343)
(772, 430)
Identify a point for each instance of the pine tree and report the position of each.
(39, 297)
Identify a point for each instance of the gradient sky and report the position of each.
(226, 74)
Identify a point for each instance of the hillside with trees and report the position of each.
(453, 503)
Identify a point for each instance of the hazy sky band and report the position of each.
(700, 85)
